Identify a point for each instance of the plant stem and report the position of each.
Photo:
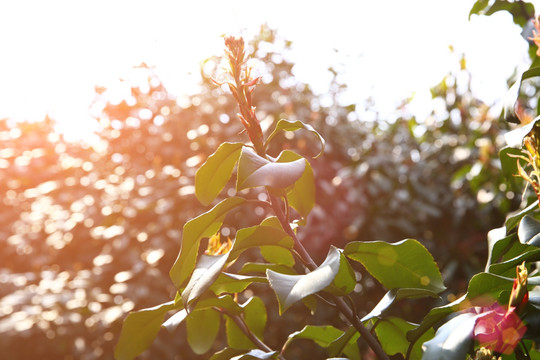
(343, 307)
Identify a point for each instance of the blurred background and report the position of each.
(96, 181)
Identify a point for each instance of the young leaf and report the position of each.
(529, 231)
(139, 329)
(284, 125)
(202, 329)
(452, 340)
(292, 288)
(302, 195)
(206, 272)
(213, 175)
(254, 315)
(405, 264)
(205, 225)
(254, 171)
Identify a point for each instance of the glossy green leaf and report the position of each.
(529, 231)
(277, 255)
(269, 232)
(214, 174)
(321, 335)
(502, 248)
(202, 329)
(483, 289)
(301, 196)
(285, 125)
(453, 340)
(512, 220)
(346, 344)
(139, 329)
(392, 334)
(405, 264)
(255, 171)
(507, 268)
(261, 268)
(205, 225)
(509, 163)
(234, 283)
(254, 316)
(394, 295)
(345, 280)
(292, 288)
(206, 271)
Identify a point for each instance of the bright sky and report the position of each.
(54, 52)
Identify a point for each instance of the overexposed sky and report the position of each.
(54, 52)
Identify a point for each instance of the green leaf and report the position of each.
(346, 344)
(321, 335)
(262, 267)
(529, 231)
(482, 290)
(206, 272)
(202, 329)
(514, 138)
(405, 264)
(292, 288)
(392, 334)
(512, 220)
(277, 255)
(254, 315)
(214, 174)
(269, 232)
(233, 283)
(394, 295)
(509, 163)
(257, 354)
(500, 245)
(139, 329)
(254, 171)
(345, 280)
(508, 267)
(452, 340)
(205, 225)
(285, 125)
(478, 6)
(302, 195)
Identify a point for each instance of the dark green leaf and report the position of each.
(206, 272)
(292, 288)
(205, 225)
(394, 295)
(139, 330)
(452, 340)
(212, 176)
(529, 231)
(508, 267)
(255, 171)
(284, 125)
(202, 329)
(405, 264)
(499, 245)
(302, 195)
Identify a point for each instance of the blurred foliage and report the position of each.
(89, 232)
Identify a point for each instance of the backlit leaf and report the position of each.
(254, 315)
(394, 295)
(204, 225)
(301, 196)
(214, 174)
(285, 125)
(139, 329)
(202, 329)
(405, 264)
